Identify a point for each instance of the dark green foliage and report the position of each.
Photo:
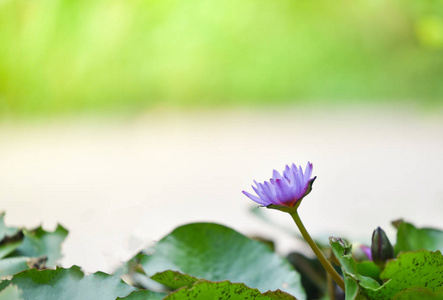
(21, 249)
(410, 238)
(210, 261)
(144, 295)
(67, 284)
(39, 242)
(410, 274)
(215, 252)
(225, 290)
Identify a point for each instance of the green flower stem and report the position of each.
(321, 257)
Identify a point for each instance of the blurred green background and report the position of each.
(63, 56)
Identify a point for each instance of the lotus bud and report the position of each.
(381, 248)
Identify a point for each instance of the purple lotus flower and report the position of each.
(286, 190)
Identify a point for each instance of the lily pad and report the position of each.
(217, 253)
(13, 265)
(8, 248)
(412, 272)
(6, 232)
(411, 294)
(10, 238)
(225, 290)
(144, 295)
(410, 238)
(67, 284)
(369, 269)
(174, 279)
(11, 293)
(38, 242)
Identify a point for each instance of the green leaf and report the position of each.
(224, 290)
(343, 252)
(174, 279)
(369, 269)
(420, 271)
(11, 293)
(6, 232)
(144, 295)
(410, 238)
(413, 294)
(215, 252)
(279, 295)
(39, 242)
(10, 238)
(133, 274)
(13, 265)
(68, 284)
(8, 248)
(351, 289)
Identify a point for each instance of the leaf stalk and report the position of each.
(321, 257)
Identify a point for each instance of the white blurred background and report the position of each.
(120, 184)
